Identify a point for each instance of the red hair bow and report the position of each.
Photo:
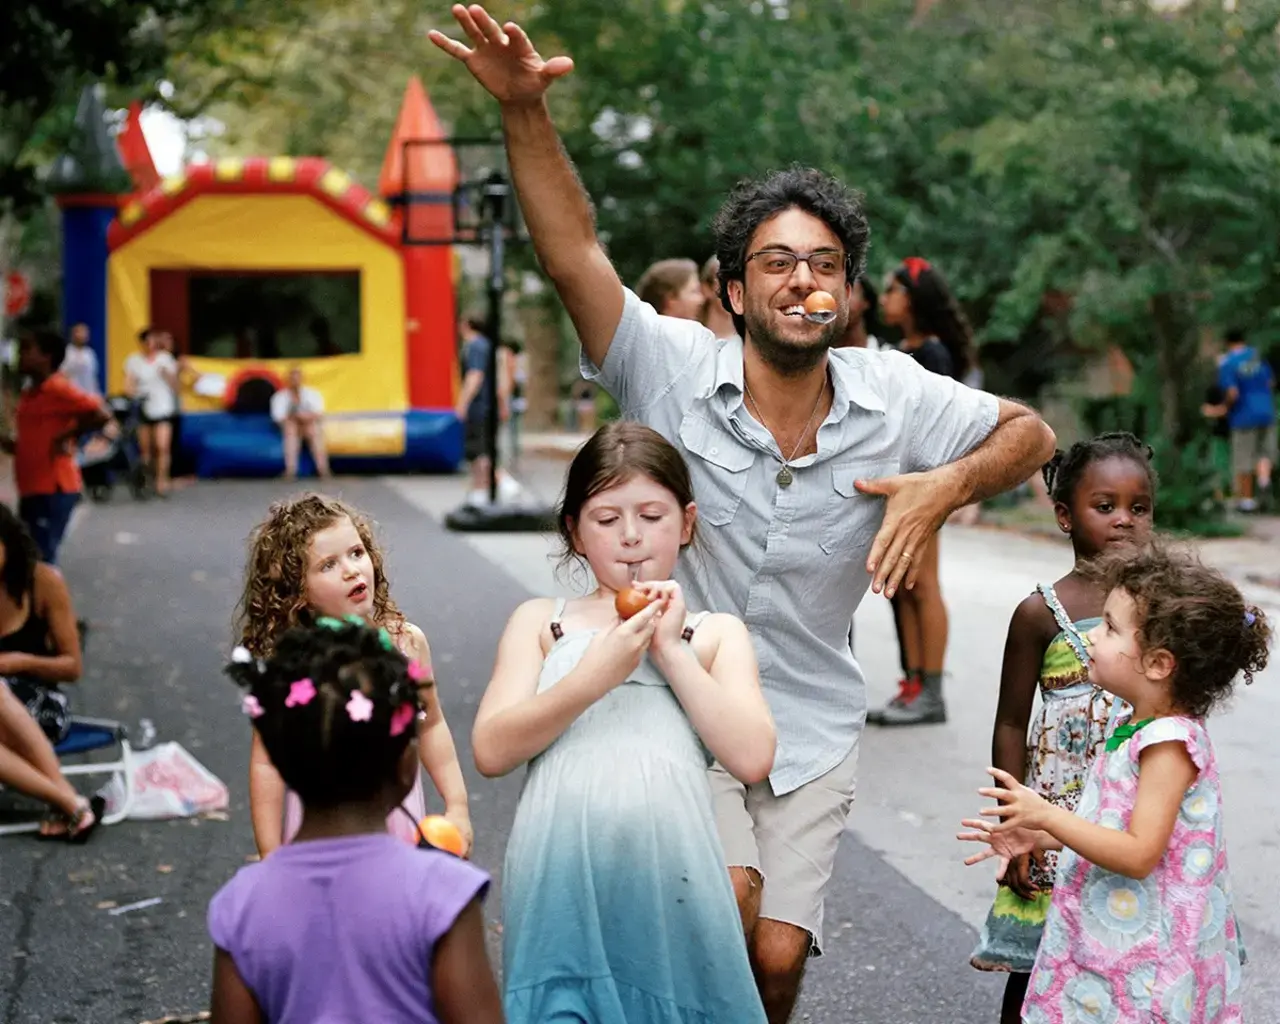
(915, 266)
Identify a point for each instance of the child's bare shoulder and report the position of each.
(1033, 618)
(413, 639)
(536, 611)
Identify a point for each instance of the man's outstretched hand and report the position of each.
(916, 507)
(501, 57)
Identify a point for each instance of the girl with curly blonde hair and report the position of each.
(315, 556)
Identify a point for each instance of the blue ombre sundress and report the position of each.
(617, 907)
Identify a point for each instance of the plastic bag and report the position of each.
(168, 783)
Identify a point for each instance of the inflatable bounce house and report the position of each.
(258, 266)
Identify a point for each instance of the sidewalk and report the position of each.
(552, 444)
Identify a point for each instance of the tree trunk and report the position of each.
(1176, 360)
(540, 320)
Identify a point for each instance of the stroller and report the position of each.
(106, 459)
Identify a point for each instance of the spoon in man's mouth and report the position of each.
(820, 307)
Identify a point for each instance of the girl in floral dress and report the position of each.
(1141, 926)
(1104, 495)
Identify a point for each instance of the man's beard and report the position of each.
(790, 358)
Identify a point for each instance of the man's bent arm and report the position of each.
(561, 223)
(1013, 452)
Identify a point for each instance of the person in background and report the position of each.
(151, 378)
(1250, 390)
(715, 317)
(473, 411)
(863, 320)
(52, 415)
(1214, 409)
(182, 468)
(918, 301)
(298, 411)
(673, 289)
(517, 376)
(81, 363)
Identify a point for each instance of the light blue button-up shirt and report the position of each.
(789, 561)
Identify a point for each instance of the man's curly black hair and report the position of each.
(324, 754)
(751, 203)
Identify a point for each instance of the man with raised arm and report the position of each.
(817, 472)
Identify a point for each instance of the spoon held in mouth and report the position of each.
(820, 307)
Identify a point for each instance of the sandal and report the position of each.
(53, 826)
(78, 830)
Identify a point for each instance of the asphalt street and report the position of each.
(158, 581)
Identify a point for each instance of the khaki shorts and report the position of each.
(791, 840)
(1249, 445)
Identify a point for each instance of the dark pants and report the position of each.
(46, 517)
(897, 628)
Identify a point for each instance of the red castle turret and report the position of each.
(420, 168)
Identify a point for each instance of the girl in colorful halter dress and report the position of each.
(617, 906)
(1104, 494)
(1141, 926)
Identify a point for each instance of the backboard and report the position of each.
(454, 189)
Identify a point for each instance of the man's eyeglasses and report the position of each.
(782, 262)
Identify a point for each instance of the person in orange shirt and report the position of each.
(52, 415)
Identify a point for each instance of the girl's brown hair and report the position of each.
(613, 455)
(275, 581)
(1197, 615)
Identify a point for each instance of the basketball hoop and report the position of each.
(458, 192)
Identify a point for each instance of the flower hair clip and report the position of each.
(400, 718)
(420, 672)
(301, 693)
(1250, 618)
(251, 706)
(360, 707)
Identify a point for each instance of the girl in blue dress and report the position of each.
(617, 906)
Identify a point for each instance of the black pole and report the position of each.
(495, 197)
(494, 517)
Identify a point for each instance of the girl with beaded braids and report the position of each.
(1103, 491)
(346, 922)
(314, 556)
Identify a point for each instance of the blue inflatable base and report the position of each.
(223, 444)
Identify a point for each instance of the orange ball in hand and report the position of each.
(441, 833)
(820, 302)
(630, 601)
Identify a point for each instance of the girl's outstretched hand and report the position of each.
(501, 57)
(1020, 807)
(1006, 845)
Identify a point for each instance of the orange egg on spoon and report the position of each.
(820, 307)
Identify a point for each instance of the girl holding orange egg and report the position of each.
(616, 904)
(316, 556)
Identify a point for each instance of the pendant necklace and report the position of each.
(785, 476)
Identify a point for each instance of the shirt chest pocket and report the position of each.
(718, 464)
(851, 517)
